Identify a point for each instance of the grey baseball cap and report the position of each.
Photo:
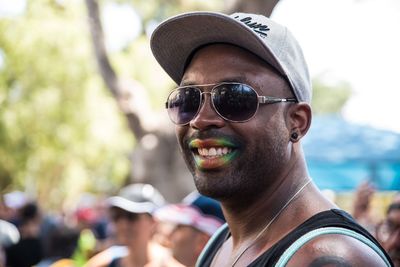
(137, 198)
(174, 41)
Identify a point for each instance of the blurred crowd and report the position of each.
(137, 227)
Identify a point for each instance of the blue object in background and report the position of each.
(340, 155)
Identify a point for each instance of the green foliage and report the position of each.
(329, 98)
(60, 132)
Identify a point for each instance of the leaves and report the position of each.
(59, 128)
(329, 97)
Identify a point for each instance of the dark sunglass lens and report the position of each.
(235, 102)
(183, 104)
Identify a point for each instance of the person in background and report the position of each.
(131, 214)
(362, 206)
(11, 203)
(60, 246)
(9, 235)
(28, 251)
(388, 232)
(192, 224)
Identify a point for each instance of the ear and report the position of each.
(298, 121)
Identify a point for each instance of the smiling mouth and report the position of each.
(213, 153)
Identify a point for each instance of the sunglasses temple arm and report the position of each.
(272, 100)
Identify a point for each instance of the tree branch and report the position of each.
(106, 70)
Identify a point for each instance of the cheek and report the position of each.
(180, 132)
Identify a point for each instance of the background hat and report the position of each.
(137, 198)
(174, 41)
(9, 234)
(198, 211)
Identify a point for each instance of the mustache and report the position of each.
(213, 134)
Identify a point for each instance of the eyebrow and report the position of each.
(236, 79)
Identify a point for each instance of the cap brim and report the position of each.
(134, 207)
(174, 40)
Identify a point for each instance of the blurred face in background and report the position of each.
(132, 229)
(186, 244)
(388, 233)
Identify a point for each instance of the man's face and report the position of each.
(235, 159)
(186, 244)
(132, 228)
(389, 235)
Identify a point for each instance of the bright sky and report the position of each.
(357, 41)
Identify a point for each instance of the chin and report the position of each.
(222, 186)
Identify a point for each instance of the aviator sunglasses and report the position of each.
(234, 102)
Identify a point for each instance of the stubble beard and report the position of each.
(247, 177)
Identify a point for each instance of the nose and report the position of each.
(207, 117)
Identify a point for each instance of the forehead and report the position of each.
(223, 62)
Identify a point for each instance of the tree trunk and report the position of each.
(160, 163)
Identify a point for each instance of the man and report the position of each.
(131, 213)
(192, 223)
(388, 232)
(241, 109)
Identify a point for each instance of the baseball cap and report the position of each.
(175, 40)
(137, 198)
(202, 213)
(15, 199)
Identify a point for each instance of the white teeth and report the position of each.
(214, 151)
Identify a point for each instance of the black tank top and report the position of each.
(329, 218)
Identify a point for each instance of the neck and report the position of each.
(138, 255)
(247, 216)
(245, 222)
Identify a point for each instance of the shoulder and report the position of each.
(336, 250)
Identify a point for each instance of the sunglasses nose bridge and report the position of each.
(203, 100)
(206, 115)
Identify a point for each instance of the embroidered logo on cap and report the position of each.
(259, 28)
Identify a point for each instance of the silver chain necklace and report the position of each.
(268, 225)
